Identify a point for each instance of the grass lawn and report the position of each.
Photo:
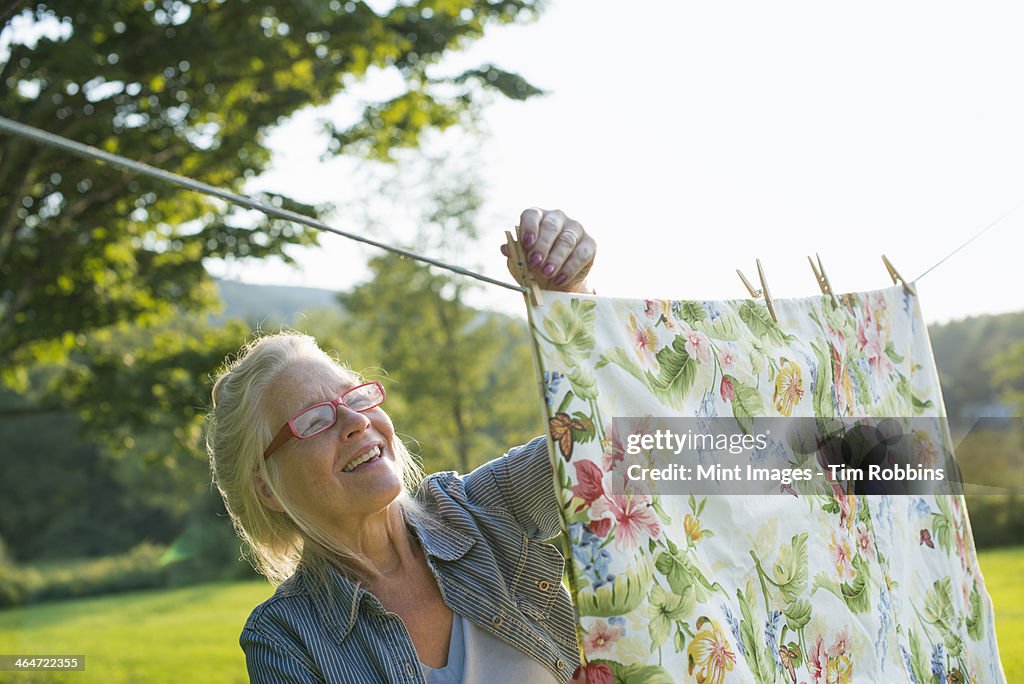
(171, 635)
(1003, 570)
(191, 634)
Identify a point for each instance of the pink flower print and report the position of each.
(635, 519)
(651, 309)
(644, 339)
(588, 478)
(726, 389)
(841, 645)
(864, 542)
(874, 349)
(615, 439)
(698, 346)
(601, 638)
(842, 556)
(600, 527)
(727, 359)
(817, 660)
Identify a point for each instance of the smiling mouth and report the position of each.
(368, 456)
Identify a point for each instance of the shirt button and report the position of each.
(560, 664)
(496, 621)
(408, 669)
(543, 585)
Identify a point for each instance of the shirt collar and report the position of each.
(338, 603)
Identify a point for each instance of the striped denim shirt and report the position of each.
(491, 566)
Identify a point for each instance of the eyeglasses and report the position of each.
(319, 417)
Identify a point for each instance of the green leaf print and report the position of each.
(760, 322)
(570, 330)
(790, 569)
(938, 605)
(856, 593)
(725, 328)
(678, 575)
(890, 351)
(942, 524)
(823, 406)
(760, 662)
(583, 382)
(675, 375)
(618, 597)
(586, 433)
(756, 360)
(664, 609)
(954, 644)
(919, 664)
(798, 614)
(746, 405)
(690, 311)
(975, 625)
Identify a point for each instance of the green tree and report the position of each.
(193, 87)
(1008, 376)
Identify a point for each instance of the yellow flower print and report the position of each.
(788, 387)
(708, 654)
(692, 527)
(839, 670)
(924, 449)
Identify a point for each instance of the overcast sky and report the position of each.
(691, 138)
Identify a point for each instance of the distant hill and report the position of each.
(270, 306)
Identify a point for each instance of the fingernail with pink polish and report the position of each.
(560, 280)
(528, 239)
(535, 259)
(548, 270)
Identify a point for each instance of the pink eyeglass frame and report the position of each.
(288, 430)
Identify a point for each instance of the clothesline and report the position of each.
(89, 152)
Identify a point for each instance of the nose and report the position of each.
(351, 423)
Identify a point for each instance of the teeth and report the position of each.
(372, 453)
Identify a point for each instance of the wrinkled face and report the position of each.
(316, 473)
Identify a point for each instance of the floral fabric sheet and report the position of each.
(806, 586)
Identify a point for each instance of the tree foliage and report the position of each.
(192, 87)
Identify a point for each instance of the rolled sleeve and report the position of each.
(523, 484)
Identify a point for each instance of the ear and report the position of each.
(266, 496)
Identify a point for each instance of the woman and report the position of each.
(384, 578)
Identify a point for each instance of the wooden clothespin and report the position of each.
(822, 278)
(897, 278)
(763, 292)
(515, 252)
